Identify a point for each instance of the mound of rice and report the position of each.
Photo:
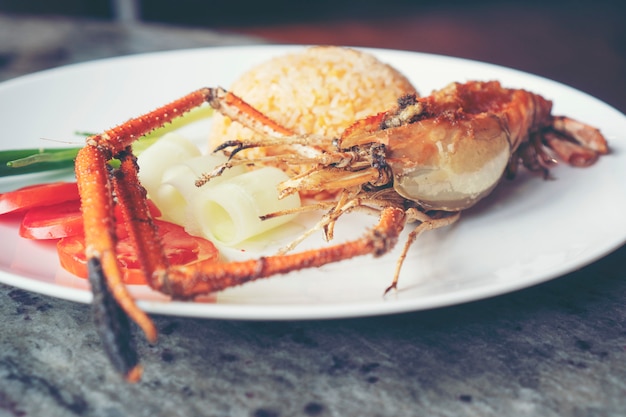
(320, 90)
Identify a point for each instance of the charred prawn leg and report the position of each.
(424, 161)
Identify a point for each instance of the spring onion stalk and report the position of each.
(26, 161)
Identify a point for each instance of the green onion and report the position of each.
(26, 161)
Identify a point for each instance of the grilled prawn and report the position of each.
(422, 162)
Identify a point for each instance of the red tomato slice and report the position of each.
(180, 248)
(37, 196)
(62, 220)
(53, 222)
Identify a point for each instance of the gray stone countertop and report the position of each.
(557, 349)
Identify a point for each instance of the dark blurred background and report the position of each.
(253, 12)
(578, 42)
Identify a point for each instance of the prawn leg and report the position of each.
(98, 184)
(425, 223)
(190, 281)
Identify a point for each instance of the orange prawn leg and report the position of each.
(138, 222)
(189, 281)
(112, 302)
(237, 109)
(104, 273)
(96, 194)
(95, 188)
(118, 138)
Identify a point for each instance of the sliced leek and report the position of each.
(230, 212)
(178, 186)
(228, 208)
(170, 150)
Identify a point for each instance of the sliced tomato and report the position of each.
(38, 195)
(53, 222)
(180, 248)
(71, 251)
(61, 220)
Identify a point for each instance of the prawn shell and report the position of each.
(445, 164)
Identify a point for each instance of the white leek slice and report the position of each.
(178, 186)
(227, 208)
(169, 150)
(228, 212)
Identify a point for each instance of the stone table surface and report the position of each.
(557, 349)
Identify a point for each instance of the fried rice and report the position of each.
(319, 90)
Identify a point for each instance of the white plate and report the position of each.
(527, 232)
